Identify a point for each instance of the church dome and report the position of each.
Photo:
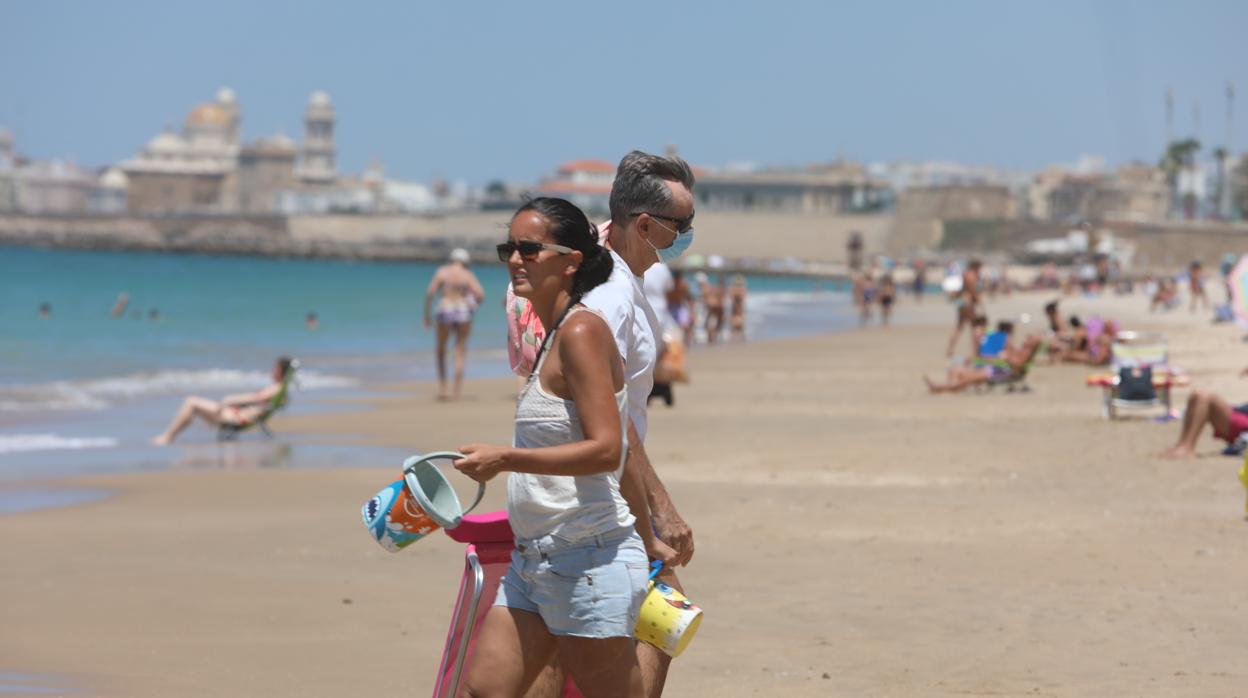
(319, 99)
(166, 143)
(113, 178)
(208, 114)
(226, 96)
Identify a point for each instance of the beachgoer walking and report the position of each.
(967, 301)
(578, 573)
(238, 409)
(888, 295)
(680, 305)
(736, 314)
(713, 305)
(1196, 285)
(853, 250)
(652, 220)
(864, 297)
(460, 294)
(918, 285)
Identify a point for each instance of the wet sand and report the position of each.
(855, 536)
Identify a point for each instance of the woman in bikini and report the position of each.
(460, 294)
(578, 572)
(240, 409)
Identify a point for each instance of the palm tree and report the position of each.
(1179, 155)
(1220, 154)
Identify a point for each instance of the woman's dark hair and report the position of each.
(283, 364)
(570, 228)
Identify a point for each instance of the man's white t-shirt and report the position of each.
(622, 302)
(657, 282)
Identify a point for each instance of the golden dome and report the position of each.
(208, 114)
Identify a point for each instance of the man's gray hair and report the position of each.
(641, 183)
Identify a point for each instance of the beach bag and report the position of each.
(1136, 384)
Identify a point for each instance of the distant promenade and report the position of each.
(779, 243)
(755, 242)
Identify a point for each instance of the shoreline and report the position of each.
(855, 537)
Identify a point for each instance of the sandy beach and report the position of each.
(855, 537)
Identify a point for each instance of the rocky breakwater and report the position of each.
(340, 236)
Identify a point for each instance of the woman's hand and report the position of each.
(482, 462)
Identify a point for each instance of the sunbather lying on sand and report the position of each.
(1091, 343)
(1010, 363)
(1204, 408)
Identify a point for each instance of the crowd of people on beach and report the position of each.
(999, 358)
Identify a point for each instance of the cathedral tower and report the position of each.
(316, 156)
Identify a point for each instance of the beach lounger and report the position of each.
(489, 540)
(228, 431)
(990, 350)
(1140, 375)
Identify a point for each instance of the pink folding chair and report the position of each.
(489, 539)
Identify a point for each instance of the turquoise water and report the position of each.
(83, 382)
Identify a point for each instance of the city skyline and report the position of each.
(439, 92)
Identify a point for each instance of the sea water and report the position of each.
(82, 390)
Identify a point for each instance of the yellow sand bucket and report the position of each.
(667, 620)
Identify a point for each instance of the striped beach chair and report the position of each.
(1140, 375)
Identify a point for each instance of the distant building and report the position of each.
(8, 172)
(586, 183)
(1133, 192)
(206, 169)
(53, 186)
(108, 196)
(265, 167)
(317, 156)
(837, 187)
(193, 172)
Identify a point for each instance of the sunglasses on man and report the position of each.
(528, 249)
(683, 225)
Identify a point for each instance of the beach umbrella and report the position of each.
(1238, 281)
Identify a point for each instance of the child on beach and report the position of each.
(578, 573)
(240, 409)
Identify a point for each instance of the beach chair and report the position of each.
(229, 432)
(489, 540)
(1140, 375)
(990, 350)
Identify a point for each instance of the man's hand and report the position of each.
(658, 550)
(481, 462)
(669, 526)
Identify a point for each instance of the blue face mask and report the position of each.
(679, 246)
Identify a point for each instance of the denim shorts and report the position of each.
(585, 588)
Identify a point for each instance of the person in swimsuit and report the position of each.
(736, 311)
(239, 409)
(460, 294)
(581, 521)
(1013, 362)
(1203, 408)
(967, 302)
(713, 304)
(888, 295)
(680, 305)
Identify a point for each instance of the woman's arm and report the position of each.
(434, 285)
(585, 349)
(241, 399)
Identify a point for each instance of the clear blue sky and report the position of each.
(478, 90)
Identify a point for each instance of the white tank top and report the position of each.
(570, 507)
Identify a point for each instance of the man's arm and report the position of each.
(668, 523)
